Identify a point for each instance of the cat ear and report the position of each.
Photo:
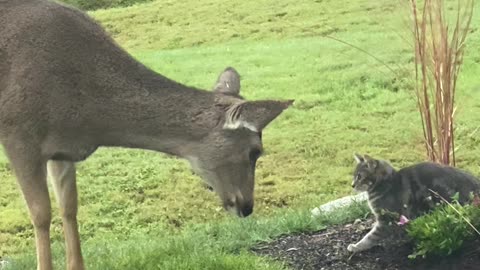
(371, 163)
(358, 158)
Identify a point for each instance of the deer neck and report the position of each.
(149, 111)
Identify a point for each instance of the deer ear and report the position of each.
(358, 158)
(228, 82)
(254, 115)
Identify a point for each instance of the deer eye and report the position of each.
(255, 154)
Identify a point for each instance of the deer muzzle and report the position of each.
(236, 204)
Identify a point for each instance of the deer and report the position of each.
(67, 88)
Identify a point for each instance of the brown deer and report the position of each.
(66, 88)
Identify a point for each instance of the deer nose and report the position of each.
(247, 210)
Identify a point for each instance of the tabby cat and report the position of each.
(405, 192)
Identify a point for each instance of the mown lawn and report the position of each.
(346, 102)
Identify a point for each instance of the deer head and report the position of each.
(227, 158)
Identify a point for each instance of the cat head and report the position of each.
(369, 172)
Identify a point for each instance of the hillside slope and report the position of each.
(175, 24)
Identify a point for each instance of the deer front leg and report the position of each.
(63, 177)
(30, 172)
(370, 240)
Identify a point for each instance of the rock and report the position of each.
(316, 212)
(3, 264)
(357, 221)
(342, 202)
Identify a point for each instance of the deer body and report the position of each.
(66, 88)
(84, 89)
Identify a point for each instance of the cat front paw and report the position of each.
(352, 248)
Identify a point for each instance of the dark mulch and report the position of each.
(327, 250)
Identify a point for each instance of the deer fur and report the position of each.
(66, 88)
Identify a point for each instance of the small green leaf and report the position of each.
(456, 197)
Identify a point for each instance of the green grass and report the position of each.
(345, 103)
(223, 245)
(170, 24)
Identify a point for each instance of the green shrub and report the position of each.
(443, 231)
(99, 4)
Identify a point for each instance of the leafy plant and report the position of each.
(444, 230)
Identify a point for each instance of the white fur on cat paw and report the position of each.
(352, 248)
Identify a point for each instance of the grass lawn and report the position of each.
(143, 210)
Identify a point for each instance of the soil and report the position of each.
(327, 250)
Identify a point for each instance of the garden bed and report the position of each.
(327, 250)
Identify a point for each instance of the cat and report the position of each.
(406, 192)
